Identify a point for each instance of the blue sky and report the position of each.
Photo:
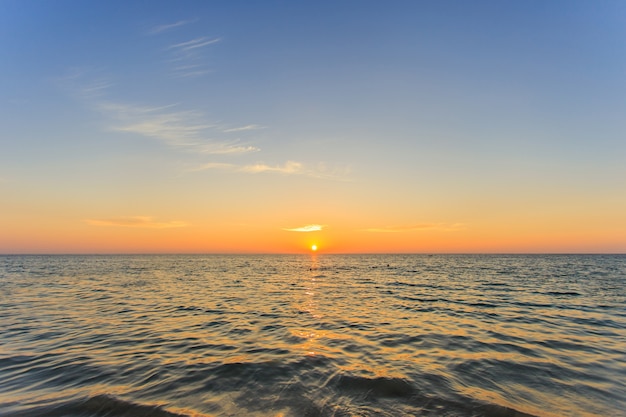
(475, 113)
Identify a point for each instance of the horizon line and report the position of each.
(297, 253)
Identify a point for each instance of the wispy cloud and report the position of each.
(183, 129)
(188, 57)
(194, 70)
(288, 168)
(187, 130)
(243, 128)
(415, 227)
(164, 28)
(185, 58)
(307, 228)
(96, 89)
(216, 165)
(194, 44)
(136, 221)
(227, 148)
(86, 83)
(180, 128)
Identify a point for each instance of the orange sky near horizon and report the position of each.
(423, 127)
(66, 237)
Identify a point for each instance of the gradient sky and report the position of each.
(361, 126)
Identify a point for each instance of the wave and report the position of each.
(106, 405)
(103, 405)
(270, 388)
(409, 397)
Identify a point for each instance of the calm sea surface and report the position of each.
(325, 335)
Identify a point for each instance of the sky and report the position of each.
(357, 126)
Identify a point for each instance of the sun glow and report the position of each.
(314, 248)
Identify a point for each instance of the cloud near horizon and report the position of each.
(227, 148)
(307, 228)
(288, 168)
(416, 227)
(136, 221)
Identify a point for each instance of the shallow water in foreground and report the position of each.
(325, 335)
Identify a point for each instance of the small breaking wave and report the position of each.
(102, 405)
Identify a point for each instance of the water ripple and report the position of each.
(388, 335)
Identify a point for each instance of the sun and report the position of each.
(313, 248)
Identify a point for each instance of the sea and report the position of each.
(313, 335)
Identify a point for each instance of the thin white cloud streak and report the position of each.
(83, 84)
(186, 71)
(289, 168)
(243, 128)
(173, 128)
(127, 110)
(216, 165)
(136, 221)
(187, 57)
(163, 28)
(416, 227)
(306, 229)
(194, 43)
(228, 148)
(190, 74)
(97, 89)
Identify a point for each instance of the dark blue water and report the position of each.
(324, 335)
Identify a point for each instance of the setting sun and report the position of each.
(313, 248)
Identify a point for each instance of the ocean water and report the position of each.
(313, 335)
